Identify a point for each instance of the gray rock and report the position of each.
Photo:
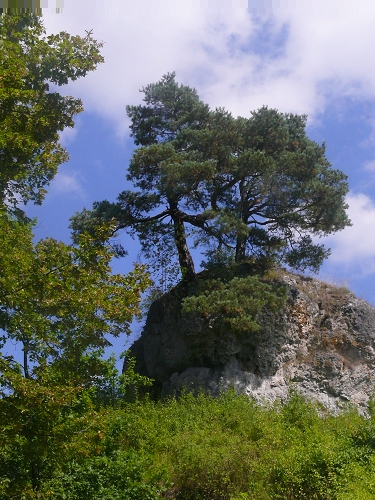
(322, 343)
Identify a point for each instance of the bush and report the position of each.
(122, 476)
(201, 448)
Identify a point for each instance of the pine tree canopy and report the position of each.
(237, 188)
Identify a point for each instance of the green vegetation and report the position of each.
(30, 114)
(238, 187)
(61, 302)
(233, 295)
(71, 427)
(194, 448)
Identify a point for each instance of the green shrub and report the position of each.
(201, 448)
(123, 476)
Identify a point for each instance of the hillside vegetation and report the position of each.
(200, 448)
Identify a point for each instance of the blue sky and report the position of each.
(300, 57)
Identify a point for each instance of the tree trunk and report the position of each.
(240, 249)
(241, 240)
(26, 360)
(184, 257)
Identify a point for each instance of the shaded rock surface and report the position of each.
(322, 343)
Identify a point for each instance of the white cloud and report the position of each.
(300, 59)
(68, 135)
(369, 166)
(354, 247)
(328, 51)
(67, 183)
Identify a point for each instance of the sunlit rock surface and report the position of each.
(321, 344)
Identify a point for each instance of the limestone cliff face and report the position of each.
(322, 343)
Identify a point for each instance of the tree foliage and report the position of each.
(236, 302)
(62, 301)
(31, 116)
(244, 187)
(39, 421)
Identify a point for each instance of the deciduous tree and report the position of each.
(62, 302)
(32, 112)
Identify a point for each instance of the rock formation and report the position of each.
(321, 343)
